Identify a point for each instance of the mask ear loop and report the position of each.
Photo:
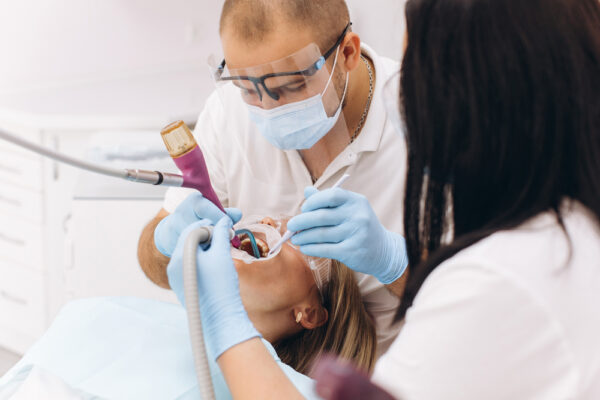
(345, 85)
(337, 52)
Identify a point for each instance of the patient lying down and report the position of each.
(139, 348)
(303, 311)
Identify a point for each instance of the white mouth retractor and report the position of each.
(271, 234)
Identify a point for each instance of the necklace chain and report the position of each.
(365, 112)
(368, 105)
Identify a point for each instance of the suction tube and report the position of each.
(192, 305)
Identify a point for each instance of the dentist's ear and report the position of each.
(350, 52)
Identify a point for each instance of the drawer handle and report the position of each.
(12, 170)
(12, 202)
(14, 299)
(15, 241)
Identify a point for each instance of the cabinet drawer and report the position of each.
(20, 170)
(21, 299)
(17, 201)
(21, 241)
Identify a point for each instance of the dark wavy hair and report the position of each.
(501, 100)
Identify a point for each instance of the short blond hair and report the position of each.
(253, 20)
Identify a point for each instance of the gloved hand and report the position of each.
(193, 209)
(224, 318)
(340, 224)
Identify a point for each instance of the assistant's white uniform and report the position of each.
(249, 173)
(511, 317)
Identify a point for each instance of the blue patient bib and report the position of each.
(128, 348)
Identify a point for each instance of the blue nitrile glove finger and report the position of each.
(234, 213)
(194, 208)
(329, 198)
(339, 224)
(224, 318)
(309, 191)
(325, 217)
(327, 234)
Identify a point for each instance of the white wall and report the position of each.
(63, 41)
(49, 43)
(380, 23)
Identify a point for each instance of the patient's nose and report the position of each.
(269, 221)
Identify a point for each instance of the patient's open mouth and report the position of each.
(246, 245)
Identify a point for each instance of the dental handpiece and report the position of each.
(288, 234)
(189, 159)
(181, 145)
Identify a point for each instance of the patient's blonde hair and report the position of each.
(349, 332)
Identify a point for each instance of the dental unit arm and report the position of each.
(134, 175)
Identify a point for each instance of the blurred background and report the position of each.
(99, 79)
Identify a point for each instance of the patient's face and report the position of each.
(276, 283)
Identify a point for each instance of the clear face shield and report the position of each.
(293, 101)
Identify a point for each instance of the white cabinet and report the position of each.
(22, 305)
(57, 244)
(21, 241)
(102, 236)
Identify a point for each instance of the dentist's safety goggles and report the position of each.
(297, 77)
(320, 267)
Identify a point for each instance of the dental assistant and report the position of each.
(299, 102)
(502, 107)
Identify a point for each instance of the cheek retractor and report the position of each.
(188, 157)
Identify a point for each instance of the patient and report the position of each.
(304, 312)
(139, 348)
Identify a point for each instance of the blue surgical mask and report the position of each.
(299, 125)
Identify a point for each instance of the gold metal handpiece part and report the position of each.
(178, 138)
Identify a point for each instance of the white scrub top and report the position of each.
(249, 173)
(512, 317)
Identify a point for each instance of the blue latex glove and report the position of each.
(225, 321)
(194, 208)
(340, 224)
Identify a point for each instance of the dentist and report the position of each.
(299, 102)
